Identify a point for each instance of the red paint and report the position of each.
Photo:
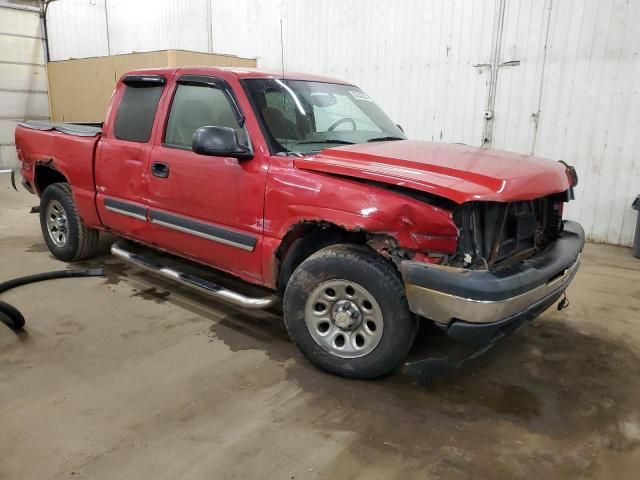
(72, 156)
(458, 172)
(268, 196)
(294, 196)
(121, 169)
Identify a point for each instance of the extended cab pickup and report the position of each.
(303, 187)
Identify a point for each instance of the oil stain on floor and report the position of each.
(152, 293)
(567, 400)
(37, 247)
(114, 271)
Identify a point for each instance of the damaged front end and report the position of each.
(494, 233)
(514, 260)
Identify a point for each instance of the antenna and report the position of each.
(284, 99)
(281, 49)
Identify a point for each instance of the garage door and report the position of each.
(23, 78)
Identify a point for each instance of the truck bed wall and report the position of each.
(72, 156)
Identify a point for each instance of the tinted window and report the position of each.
(199, 106)
(277, 100)
(136, 112)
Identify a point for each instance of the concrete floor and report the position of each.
(130, 377)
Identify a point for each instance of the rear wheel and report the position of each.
(62, 228)
(345, 308)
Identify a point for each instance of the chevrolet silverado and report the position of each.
(301, 189)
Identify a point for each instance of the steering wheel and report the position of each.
(340, 122)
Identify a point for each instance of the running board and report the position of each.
(192, 281)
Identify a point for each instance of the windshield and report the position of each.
(302, 117)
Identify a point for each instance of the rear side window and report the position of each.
(136, 112)
(198, 106)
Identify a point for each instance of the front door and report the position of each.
(206, 207)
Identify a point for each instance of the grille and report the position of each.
(493, 233)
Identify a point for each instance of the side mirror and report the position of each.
(219, 141)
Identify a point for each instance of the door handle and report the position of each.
(160, 170)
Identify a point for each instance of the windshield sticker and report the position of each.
(359, 95)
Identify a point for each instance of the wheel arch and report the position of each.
(305, 238)
(51, 170)
(46, 174)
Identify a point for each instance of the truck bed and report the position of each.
(76, 129)
(61, 152)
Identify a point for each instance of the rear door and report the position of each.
(123, 152)
(209, 208)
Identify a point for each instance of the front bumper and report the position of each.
(457, 296)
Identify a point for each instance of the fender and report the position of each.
(84, 198)
(295, 196)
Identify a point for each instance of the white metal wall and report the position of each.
(576, 100)
(417, 61)
(23, 81)
(560, 76)
(78, 28)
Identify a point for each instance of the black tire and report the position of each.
(82, 242)
(358, 264)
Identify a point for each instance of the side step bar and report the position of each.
(209, 288)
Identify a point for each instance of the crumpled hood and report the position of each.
(458, 172)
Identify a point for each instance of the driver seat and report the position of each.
(278, 124)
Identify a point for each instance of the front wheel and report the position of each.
(345, 308)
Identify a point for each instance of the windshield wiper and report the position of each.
(289, 154)
(384, 139)
(331, 140)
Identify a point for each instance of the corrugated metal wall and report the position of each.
(590, 110)
(576, 100)
(23, 80)
(560, 76)
(417, 61)
(78, 28)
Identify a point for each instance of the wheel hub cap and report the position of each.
(56, 219)
(344, 318)
(346, 315)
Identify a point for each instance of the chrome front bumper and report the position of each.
(444, 308)
(447, 295)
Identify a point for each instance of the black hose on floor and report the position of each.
(11, 316)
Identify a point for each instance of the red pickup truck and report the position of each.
(302, 186)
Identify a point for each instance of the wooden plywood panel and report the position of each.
(244, 62)
(135, 61)
(80, 89)
(183, 58)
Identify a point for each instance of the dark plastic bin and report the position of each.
(636, 239)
